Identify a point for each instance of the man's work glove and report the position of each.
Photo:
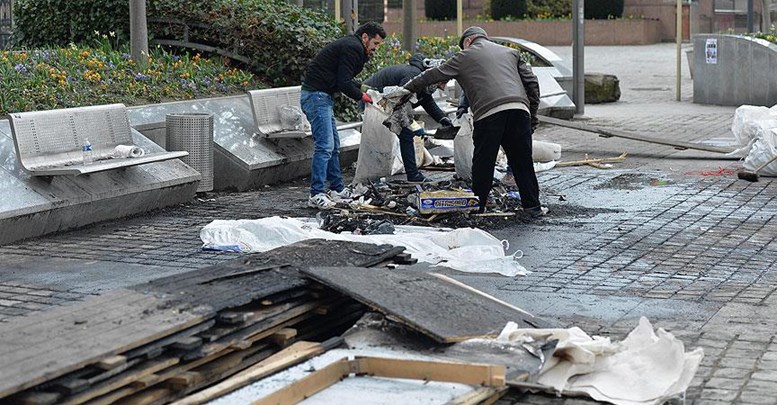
(446, 122)
(366, 98)
(461, 111)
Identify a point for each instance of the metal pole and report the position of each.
(749, 15)
(350, 12)
(338, 4)
(459, 17)
(679, 36)
(578, 57)
(138, 32)
(409, 34)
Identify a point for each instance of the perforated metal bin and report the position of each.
(193, 132)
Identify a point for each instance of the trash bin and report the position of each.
(193, 133)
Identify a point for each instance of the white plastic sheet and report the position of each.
(465, 249)
(648, 367)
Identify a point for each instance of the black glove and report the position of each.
(446, 122)
(461, 111)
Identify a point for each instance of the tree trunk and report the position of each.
(138, 32)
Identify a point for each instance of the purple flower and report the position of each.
(126, 56)
(20, 68)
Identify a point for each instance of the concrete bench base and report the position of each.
(47, 204)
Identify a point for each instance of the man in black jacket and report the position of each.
(398, 75)
(330, 72)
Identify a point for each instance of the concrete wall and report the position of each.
(744, 72)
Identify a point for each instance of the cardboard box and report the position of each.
(442, 201)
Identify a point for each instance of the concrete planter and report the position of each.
(550, 33)
(739, 71)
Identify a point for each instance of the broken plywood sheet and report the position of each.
(52, 343)
(445, 311)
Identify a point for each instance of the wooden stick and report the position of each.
(634, 137)
(294, 354)
(586, 161)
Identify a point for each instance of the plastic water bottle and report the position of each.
(86, 150)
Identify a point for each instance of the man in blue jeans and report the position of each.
(331, 72)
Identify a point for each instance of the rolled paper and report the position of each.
(128, 151)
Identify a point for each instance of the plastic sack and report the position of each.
(463, 148)
(376, 149)
(763, 149)
(748, 121)
(545, 151)
(744, 117)
(292, 118)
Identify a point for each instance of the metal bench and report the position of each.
(49, 142)
(266, 105)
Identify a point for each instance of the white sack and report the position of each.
(376, 149)
(645, 368)
(463, 148)
(545, 151)
(764, 148)
(464, 249)
(749, 121)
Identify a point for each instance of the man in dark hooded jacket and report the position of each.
(398, 75)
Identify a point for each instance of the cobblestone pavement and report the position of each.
(671, 235)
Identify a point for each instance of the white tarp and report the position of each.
(465, 249)
(647, 367)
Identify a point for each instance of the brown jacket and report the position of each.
(490, 74)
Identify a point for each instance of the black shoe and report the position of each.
(416, 179)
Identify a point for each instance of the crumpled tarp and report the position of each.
(465, 249)
(648, 367)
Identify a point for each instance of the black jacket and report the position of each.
(332, 70)
(398, 75)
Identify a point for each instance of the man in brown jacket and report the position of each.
(504, 96)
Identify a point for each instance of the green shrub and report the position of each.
(549, 9)
(278, 37)
(40, 23)
(502, 9)
(603, 9)
(442, 10)
(76, 76)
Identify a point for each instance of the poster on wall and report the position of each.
(711, 51)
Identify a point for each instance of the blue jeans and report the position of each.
(325, 167)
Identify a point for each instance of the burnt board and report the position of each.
(50, 344)
(442, 310)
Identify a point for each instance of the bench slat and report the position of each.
(49, 142)
(109, 164)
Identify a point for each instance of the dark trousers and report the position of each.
(407, 150)
(510, 129)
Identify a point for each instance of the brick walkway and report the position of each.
(670, 235)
